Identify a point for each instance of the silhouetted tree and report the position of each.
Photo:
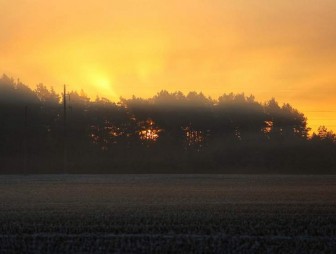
(47, 96)
(323, 134)
(170, 132)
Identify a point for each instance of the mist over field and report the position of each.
(45, 132)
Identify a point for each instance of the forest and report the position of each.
(42, 131)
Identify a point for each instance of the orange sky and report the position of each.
(270, 48)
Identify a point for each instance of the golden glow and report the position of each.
(149, 132)
(270, 48)
(103, 84)
(151, 135)
(193, 137)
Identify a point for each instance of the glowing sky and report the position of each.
(270, 48)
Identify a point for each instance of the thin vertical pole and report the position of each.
(25, 140)
(65, 130)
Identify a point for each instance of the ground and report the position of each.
(167, 214)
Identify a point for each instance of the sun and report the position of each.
(103, 85)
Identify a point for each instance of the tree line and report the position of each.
(168, 133)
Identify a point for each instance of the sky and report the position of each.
(269, 48)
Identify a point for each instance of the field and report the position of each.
(167, 214)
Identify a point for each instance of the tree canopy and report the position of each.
(170, 132)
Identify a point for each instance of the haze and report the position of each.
(279, 48)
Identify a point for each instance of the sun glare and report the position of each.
(103, 85)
